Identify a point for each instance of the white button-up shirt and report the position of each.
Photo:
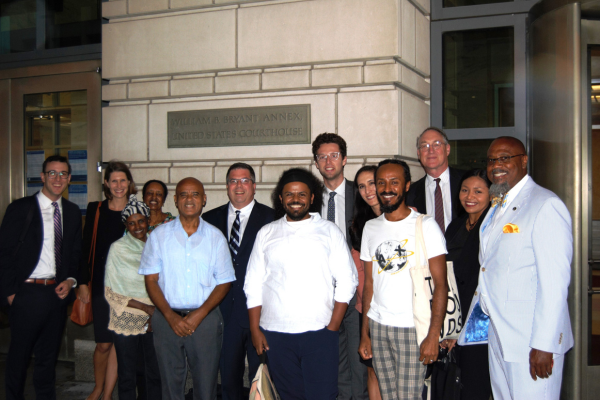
(46, 267)
(244, 216)
(297, 271)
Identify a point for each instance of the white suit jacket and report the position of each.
(524, 277)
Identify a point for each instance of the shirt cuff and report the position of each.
(253, 301)
(74, 282)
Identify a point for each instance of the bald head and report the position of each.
(507, 164)
(190, 198)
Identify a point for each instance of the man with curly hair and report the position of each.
(300, 279)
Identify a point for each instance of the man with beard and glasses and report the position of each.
(388, 250)
(300, 279)
(525, 254)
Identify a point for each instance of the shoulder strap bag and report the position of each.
(423, 293)
(82, 312)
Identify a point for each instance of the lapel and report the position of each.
(252, 226)
(223, 212)
(513, 211)
(420, 202)
(349, 202)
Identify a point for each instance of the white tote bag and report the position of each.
(423, 293)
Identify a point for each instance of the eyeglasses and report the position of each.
(243, 181)
(435, 146)
(54, 174)
(323, 157)
(501, 160)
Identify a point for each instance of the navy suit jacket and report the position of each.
(416, 196)
(14, 269)
(233, 307)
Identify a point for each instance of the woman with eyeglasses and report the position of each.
(366, 207)
(118, 185)
(462, 243)
(154, 194)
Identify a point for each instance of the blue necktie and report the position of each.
(331, 207)
(234, 236)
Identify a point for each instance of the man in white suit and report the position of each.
(525, 256)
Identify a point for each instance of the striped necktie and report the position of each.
(57, 238)
(234, 236)
(439, 205)
(331, 207)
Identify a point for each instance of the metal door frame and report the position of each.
(590, 376)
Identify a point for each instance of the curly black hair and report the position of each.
(316, 188)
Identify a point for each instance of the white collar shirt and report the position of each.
(340, 205)
(46, 267)
(497, 213)
(244, 216)
(446, 196)
(297, 271)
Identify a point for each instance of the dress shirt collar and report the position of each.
(45, 202)
(340, 190)
(514, 192)
(244, 212)
(444, 178)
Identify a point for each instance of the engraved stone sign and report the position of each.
(255, 126)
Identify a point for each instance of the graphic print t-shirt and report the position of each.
(391, 248)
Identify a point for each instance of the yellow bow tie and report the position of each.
(499, 199)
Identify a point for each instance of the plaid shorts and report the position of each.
(396, 361)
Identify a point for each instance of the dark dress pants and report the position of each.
(237, 342)
(475, 372)
(128, 348)
(202, 350)
(352, 375)
(304, 366)
(37, 319)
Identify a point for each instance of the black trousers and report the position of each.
(128, 348)
(37, 319)
(237, 342)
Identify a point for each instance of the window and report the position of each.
(478, 78)
(463, 3)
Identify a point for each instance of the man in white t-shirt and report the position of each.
(300, 279)
(388, 249)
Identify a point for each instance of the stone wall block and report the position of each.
(189, 3)
(337, 76)
(414, 119)
(204, 174)
(272, 173)
(114, 8)
(143, 175)
(169, 45)
(145, 6)
(382, 73)
(182, 87)
(423, 5)
(237, 83)
(114, 92)
(415, 81)
(285, 80)
(369, 121)
(143, 90)
(409, 33)
(422, 42)
(125, 133)
(317, 31)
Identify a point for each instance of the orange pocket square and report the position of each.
(510, 228)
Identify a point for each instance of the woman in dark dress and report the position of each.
(118, 185)
(462, 243)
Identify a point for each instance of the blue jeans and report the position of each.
(127, 356)
(304, 366)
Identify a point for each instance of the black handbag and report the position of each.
(446, 382)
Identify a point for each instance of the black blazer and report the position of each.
(14, 269)
(349, 209)
(416, 194)
(233, 307)
(466, 266)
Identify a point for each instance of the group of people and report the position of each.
(321, 282)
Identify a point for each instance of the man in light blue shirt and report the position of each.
(188, 272)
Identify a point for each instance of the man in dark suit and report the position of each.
(436, 193)
(329, 152)
(239, 220)
(40, 246)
